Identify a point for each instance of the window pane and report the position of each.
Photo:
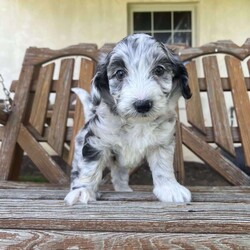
(162, 20)
(142, 21)
(163, 37)
(182, 20)
(183, 37)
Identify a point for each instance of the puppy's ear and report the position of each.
(180, 72)
(100, 85)
(181, 76)
(100, 80)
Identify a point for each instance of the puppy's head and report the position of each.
(141, 78)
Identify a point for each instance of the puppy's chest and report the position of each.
(133, 142)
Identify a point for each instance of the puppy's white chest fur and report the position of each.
(134, 140)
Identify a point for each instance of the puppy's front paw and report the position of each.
(80, 194)
(173, 192)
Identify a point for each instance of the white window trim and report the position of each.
(164, 7)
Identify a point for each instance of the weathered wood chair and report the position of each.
(199, 134)
(217, 217)
(42, 110)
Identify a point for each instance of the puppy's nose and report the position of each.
(143, 106)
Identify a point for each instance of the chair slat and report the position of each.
(86, 74)
(194, 106)
(178, 156)
(59, 117)
(221, 126)
(214, 158)
(48, 167)
(241, 103)
(201, 80)
(8, 146)
(40, 104)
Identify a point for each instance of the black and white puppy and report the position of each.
(130, 117)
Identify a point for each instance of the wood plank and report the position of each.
(41, 158)
(209, 137)
(59, 118)
(48, 239)
(213, 158)
(178, 156)
(223, 46)
(198, 195)
(35, 56)
(138, 188)
(86, 75)
(14, 121)
(41, 99)
(241, 103)
(194, 106)
(224, 82)
(248, 65)
(32, 185)
(201, 81)
(110, 216)
(220, 119)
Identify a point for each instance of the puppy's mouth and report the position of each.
(133, 114)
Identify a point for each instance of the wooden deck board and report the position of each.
(36, 215)
(198, 195)
(23, 239)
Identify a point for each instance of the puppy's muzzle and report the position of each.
(143, 106)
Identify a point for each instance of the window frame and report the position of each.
(164, 7)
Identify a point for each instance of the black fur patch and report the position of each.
(102, 84)
(82, 186)
(96, 101)
(74, 174)
(182, 75)
(90, 153)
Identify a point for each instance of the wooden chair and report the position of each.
(42, 110)
(198, 135)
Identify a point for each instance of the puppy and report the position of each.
(130, 117)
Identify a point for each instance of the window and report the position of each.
(166, 23)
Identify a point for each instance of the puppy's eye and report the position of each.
(120, 74)
(159, 71)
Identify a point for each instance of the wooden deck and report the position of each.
(35, 217)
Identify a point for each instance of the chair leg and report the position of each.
(16, 164)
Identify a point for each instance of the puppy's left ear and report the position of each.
(180, 72)
(181, 76)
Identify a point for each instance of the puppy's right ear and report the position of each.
(100, 86)
(101, 78)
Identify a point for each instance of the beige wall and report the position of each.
(59, 23)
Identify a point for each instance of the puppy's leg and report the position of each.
(86, 173)
(166, 188)
(120, 178)
(85, 184)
